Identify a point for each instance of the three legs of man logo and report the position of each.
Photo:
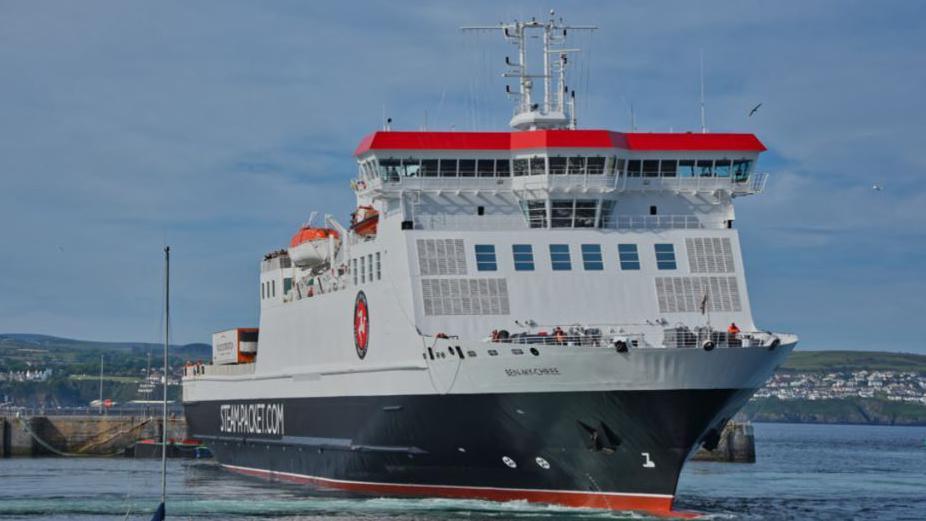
(361, 325)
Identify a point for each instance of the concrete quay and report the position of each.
(80, 435)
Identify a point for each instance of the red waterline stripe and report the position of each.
(659, 504)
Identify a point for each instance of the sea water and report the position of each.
(803, 472)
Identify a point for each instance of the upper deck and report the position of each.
(558, 161)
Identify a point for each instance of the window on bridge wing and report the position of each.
(686, 168)
(561, 214)
(557, 165)
(634, 167)
(619, 164)
(741, 169)
(585, 214)
(520, 167)
(595, 165)
(448, 167)
(668, 167)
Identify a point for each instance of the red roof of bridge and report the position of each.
(531, 139)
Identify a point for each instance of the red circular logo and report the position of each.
(361, 325)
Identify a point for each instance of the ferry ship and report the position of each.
(549, 314)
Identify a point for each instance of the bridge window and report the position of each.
(485, 257)
(686, 168)
(741, 169)
(629, 257)
(634, 167)
(448, 167)
(523, 257)
(467, 168)
(559, 257)
(412, 167)
(665, 256)
(576, 165)
(651, 168)
(502, 168)
(595, 165)
(520, 167)
(668, 167)
(619, 164)
(591, 257)
(486, 168)
(561, 213)
(538, 165)
(722, 168)
(389, 168)
(705, 168)
(557, 165)
(429, 168)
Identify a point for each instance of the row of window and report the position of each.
(393, 169)
(561, 257)
(268, 289)
(366, 268)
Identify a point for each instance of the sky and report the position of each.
(217, 127)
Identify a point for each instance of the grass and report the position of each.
(836, 361)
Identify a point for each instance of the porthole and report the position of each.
(461, 449)
(510, 462)
(493, 352)
(535, 352)
(542, 463)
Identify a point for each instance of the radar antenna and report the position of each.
(555, 111)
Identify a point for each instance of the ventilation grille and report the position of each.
(464, 296)
(709, 255)
(685, 294)
(441, 257)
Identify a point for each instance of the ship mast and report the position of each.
(555, 111)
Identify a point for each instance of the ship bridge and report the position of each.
(558, 178)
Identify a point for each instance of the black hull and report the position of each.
(579, 448)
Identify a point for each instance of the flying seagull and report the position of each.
(753, 111)
(877, 188)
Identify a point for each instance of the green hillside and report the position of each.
(834, 361)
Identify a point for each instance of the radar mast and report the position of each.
(555, 111)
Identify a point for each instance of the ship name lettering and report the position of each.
(251, 418)
(533, 371)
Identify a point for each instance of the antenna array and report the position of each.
(555, 111)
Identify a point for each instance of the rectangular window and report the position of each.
(668, 167)
(486, 168)
(502, 168)
(520, 167)
(585, 214)
(557, 165)
(448, 167)
(629, 257)
(467, 168)
(485, 257)
(412, 167)
(633, 168)
(429, 168)
(722, 168)
(559, 257)
(741, 169)
(561, 214)
(705, 168)
(650, 168)
(591, 257)
(354, 269)
(370, 266)
(263, 291)
(595, 165)
(523, 257)
(287, 285)
(576, 165)
(535, 212)
(379, 271)
(363, 271)
(665, 256)
(538, 165)
(273, 288)
(686, 168)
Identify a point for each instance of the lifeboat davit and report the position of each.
(312, 247)
(364, 221)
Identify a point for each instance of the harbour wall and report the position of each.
(737, 445)
(80, 435)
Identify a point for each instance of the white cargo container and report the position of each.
(234, 346)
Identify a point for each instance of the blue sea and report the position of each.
(804, 472)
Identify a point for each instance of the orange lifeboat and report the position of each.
(364, 221)
(312, 247)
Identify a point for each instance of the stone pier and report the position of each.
(80, 435)
(737, 445)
